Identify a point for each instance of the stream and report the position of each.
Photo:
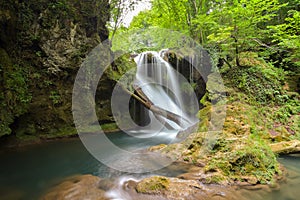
(28, 172)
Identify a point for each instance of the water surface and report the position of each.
(27, 172)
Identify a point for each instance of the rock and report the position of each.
(186, 62)
(286, 147)
(215, 88)
(77, 188)
(43, 45)
(170, 188)
(158, 187)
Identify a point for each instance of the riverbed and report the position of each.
(28, 172)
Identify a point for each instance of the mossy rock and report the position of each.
(153, 185)
(262, 83)
(170, 188)
(248, 157)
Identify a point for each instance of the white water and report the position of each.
(162, 85)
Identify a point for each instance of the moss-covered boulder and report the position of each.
(170, 188)
(286, 147)
(234, 154)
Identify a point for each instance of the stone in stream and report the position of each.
(77, 188)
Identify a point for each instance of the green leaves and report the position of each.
(287, 35)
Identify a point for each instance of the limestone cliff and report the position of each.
(42, 44)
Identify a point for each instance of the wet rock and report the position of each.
(158, 187)
(77, 188)
(194, 67)
(286, 147)
(171, 188)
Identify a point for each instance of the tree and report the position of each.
(241, 25)
(119, 9)
(287, 35)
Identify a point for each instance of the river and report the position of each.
(27, 172)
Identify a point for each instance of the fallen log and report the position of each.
(142, 98)
(141, 94)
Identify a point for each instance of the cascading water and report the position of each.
(162, 85)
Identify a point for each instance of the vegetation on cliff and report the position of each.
(42, 45)
(261, 110)
(254, 44)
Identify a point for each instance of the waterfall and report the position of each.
(162, 85)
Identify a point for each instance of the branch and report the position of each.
(263, 44)
(141, 97)
(227, 62)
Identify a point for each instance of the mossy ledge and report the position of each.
(256, 128)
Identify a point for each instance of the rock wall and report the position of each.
(194, 66)
(42, 44)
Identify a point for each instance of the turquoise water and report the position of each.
(27, 172)
(31, 170)
(289, 187)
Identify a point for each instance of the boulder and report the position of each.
(77, 188)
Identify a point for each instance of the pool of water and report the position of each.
(289, 188)
(27, 172)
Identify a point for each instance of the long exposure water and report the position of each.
(27, 172)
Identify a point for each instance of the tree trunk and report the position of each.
(142, 98)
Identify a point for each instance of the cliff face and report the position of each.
(42, 44)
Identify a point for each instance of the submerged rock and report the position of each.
(77, 188)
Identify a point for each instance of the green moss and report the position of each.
(261, 82)
(111, 127)
(252, 157)
(30, 133)
(63, 132)
(123, 65)
(27, 138)
(153, 185)
(204, 116)
(14, 96)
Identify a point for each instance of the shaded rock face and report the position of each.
(44, 44)
(195, 68)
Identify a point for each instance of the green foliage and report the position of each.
(254, 158)
(62, 8)
(287, 35)
(229, 27)
(152, 38)
(262, 84)
(55, 97)
(292, 107)
(14, 96)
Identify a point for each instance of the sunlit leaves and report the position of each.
(287, 35)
